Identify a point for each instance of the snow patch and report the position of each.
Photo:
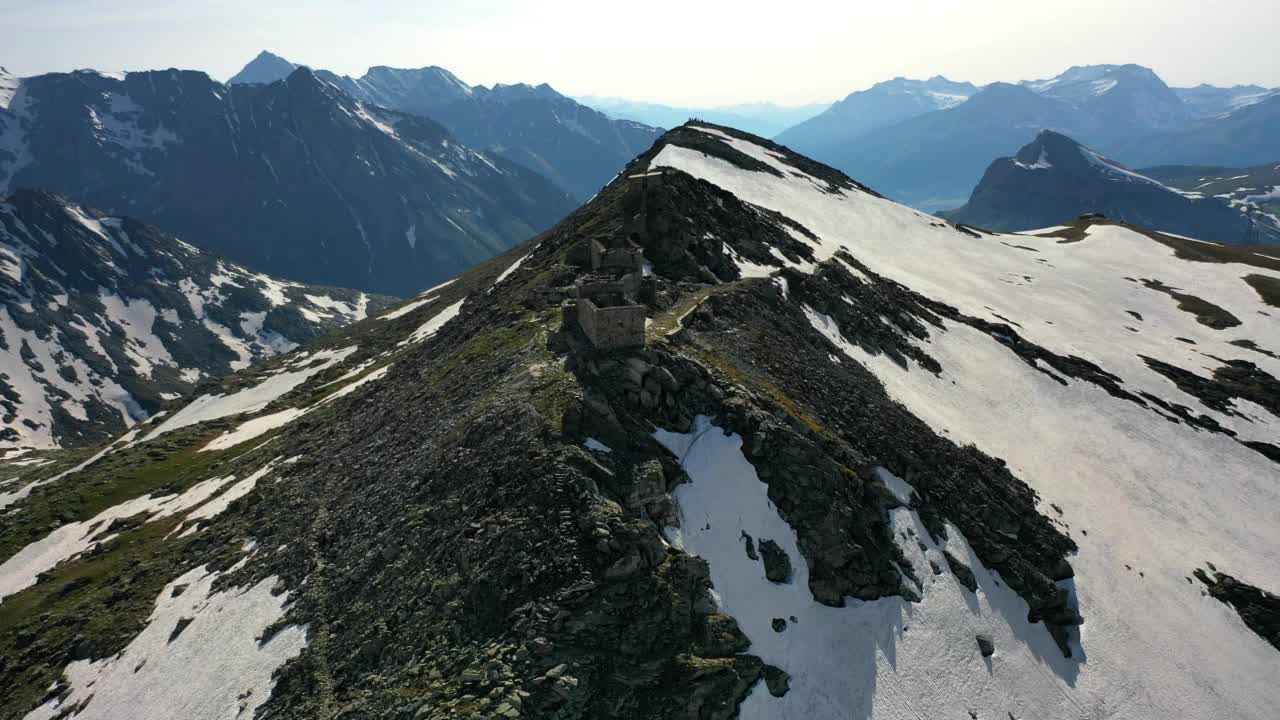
(212, 407)
(215, 668)
(432, 326)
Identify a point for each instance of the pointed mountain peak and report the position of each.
(266, 68)
(1054, 178)
(1052, 149)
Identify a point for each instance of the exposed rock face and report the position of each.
(962, 572)
(1054, 179)
(777, 566)
(105, 319)
(985, 646)
(1259, 609)
(883, 104)
(777, 680)
(294, 178)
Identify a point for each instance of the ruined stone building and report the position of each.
(606, 303)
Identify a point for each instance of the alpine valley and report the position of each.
(851, 461)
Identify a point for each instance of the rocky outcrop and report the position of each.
(1259, 609)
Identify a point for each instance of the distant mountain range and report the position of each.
(578, 148)
(104, 319)
(762, 118)
(927, 142)
(884, 104)
(1054, 179)
(295, 178)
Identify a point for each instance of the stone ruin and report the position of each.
(606, 303)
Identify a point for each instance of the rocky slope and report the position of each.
(105, 319)
(294, 178)
(1054, 179)
(578, 148)
(868, 464)
(932, 157)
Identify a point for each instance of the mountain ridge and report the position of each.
(575, 146)
(1054, 179)
(835, 446)
(285, 170)
(1125, 111)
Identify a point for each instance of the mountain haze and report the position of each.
(932, 157)
(762, 118)
(883, 104)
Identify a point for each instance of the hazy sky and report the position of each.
(677, 51)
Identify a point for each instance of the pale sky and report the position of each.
(694, 52)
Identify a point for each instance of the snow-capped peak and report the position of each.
(9, 84)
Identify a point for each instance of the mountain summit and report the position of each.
(1053, 179)
(263, 69)
(737, 438)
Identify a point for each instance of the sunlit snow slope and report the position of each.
(1163, 455)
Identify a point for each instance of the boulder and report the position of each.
(777, 566)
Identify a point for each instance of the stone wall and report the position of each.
(612, 327)
(615, 258)
(596, 286)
